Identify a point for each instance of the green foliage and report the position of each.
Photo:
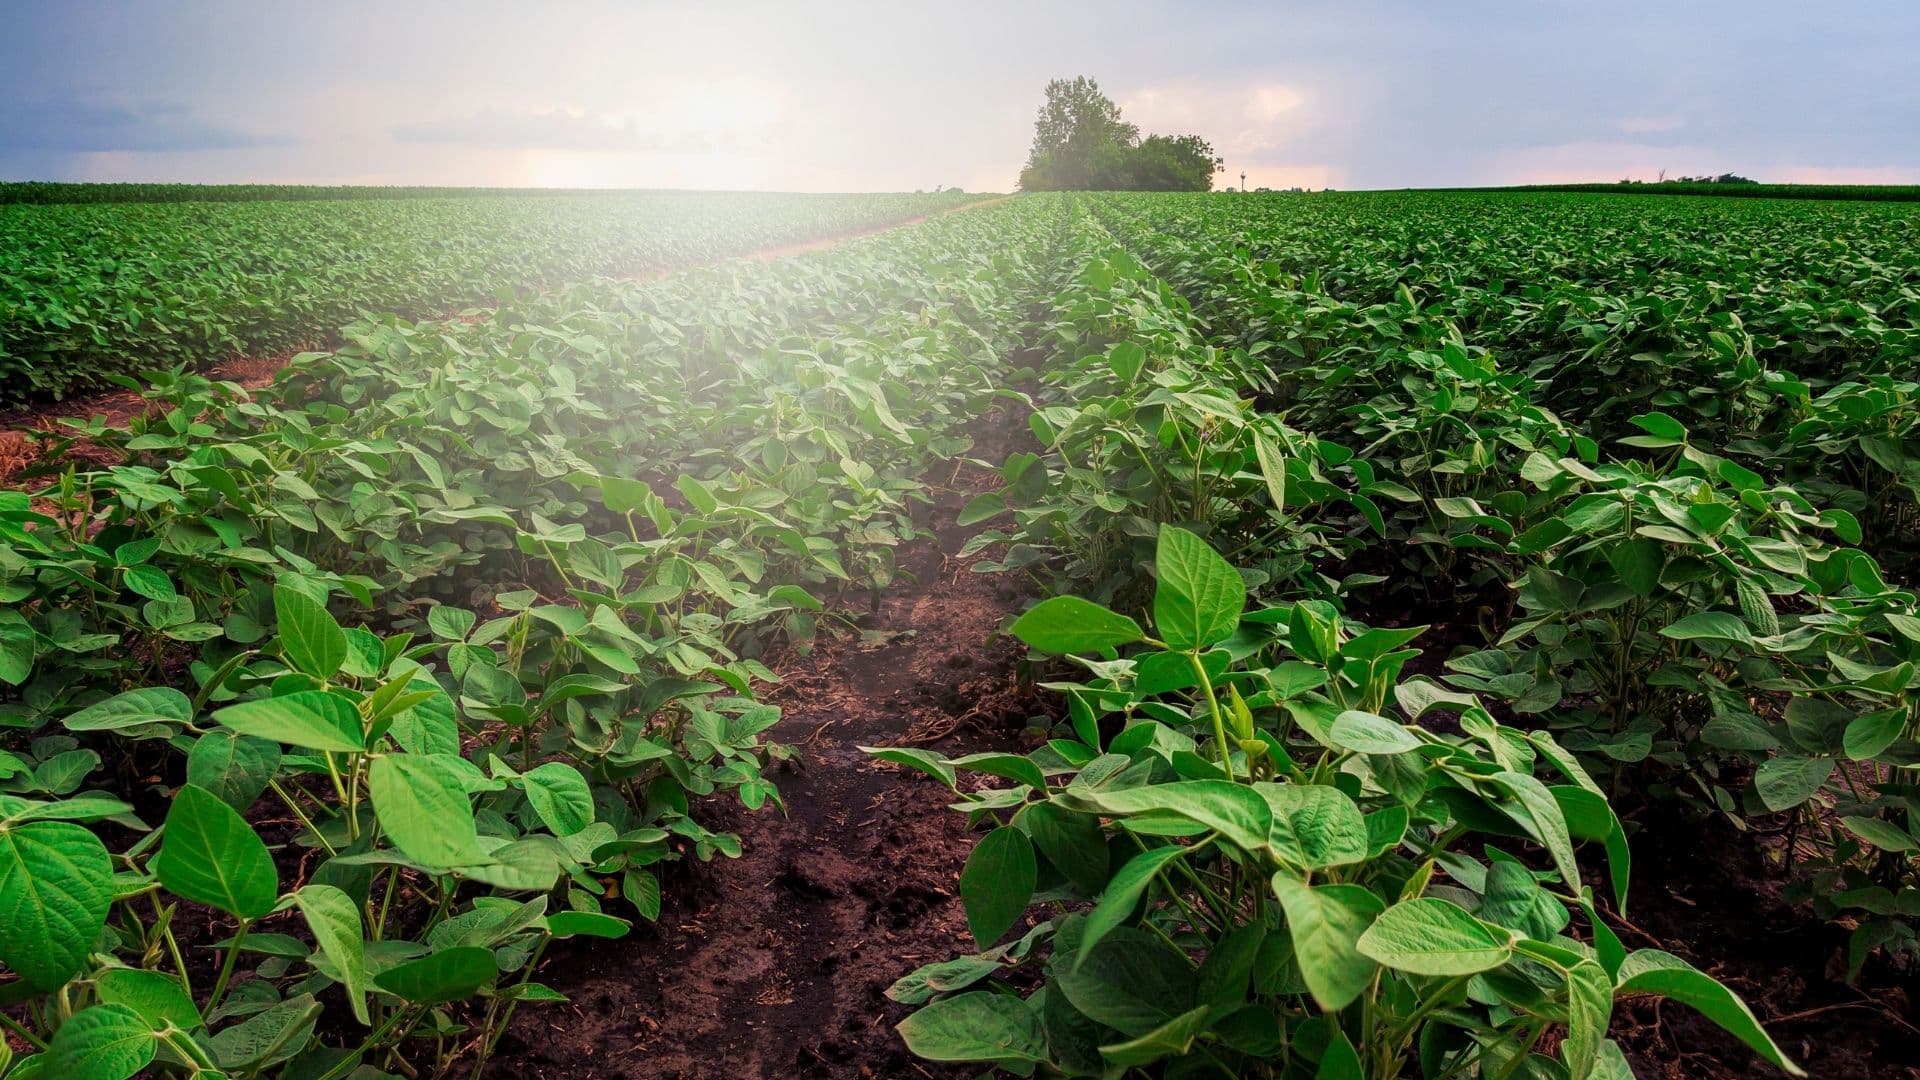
(1081, 143)
(479, 609)
(1257, 920)
(121, 279)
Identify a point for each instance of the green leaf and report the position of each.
(421, 803)
(309, 719)
(1126, 359)
(56, 885)
(448, 975)
(1123, 895)
(1171, 1039)
(1869, 736)
(270, 1038)
(1589, 1010)
(233, 766)
(1068, 624)
(1341, 1061)
(560, 797)
(1785, 782)
(1238, 813)
(1638, 562)
(1365, 733)
(931, 980)
(157, 997)
(1327, 923)
(334, 920)
(998, 883)
(1073, 843)
(210, 855)
(1881, 834)
(1431, 936)
(1709, 626)
(309, 637)
(1198, 595)
(106, 1042)
(976, 1026)
(1651, 971)
(1314, 825)
(134, 708)
(566, 924)
(17, 641)
(150, 582)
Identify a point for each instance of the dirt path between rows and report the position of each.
(19, 450)
(776, 963)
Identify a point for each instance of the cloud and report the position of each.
(108, 126)
(559, 129)
(1242, 119)
(1649, 125)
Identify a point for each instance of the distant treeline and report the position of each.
(1748, 190)
(35, 191)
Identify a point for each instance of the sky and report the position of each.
(907, 95)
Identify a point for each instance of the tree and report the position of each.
(1173, 163)
(1082, 143)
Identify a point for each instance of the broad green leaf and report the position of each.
(1073, 843)
(334, 921)
(1068, 624)
(233, 766)
(448, 975)
(1314, 826)
(1869, 736)
(1365, 733)
(56, 885)
(998, 883)
(210, 855)
(17, 646)
(309, 719)
(1589, 1010)
(157, 997)
(1123, 895)
(312, 641)
(1709, 626)
(1881, 833)
(1785, 782)
(105, 1042)
(560, 797)
(1431, 936)
(976, 1026)
(1651, 971)
(566, 924)
(1238, 813)
(930, 980)
(1327, 923)
(1132, 982)
(269, 1038)
(1171, 1039)
(1198, 595)
(421, 802)
(134, 708)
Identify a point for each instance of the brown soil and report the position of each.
(1708, 895)
(775, 964)
(19, 449)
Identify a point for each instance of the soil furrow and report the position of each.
(776, 963)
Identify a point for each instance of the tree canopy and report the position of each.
(1082, 143)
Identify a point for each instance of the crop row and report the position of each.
(90, 292)
(1627, 459)
(479, 611)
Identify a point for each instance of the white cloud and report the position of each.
(1649, 125)
(1241, 119)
